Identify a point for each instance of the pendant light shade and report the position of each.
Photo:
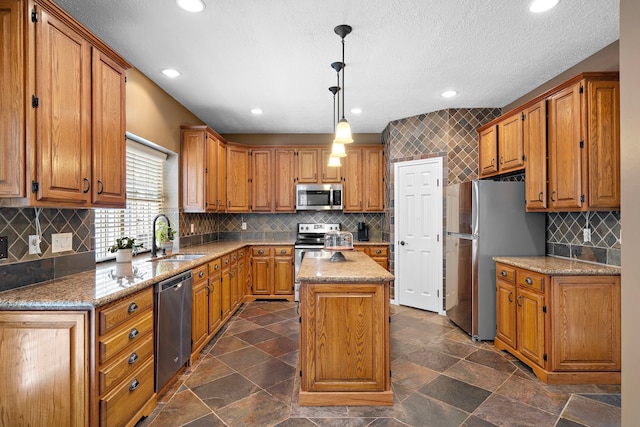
(343, 132)
(337, 150)
(334, 162)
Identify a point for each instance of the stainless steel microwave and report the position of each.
(319, 197)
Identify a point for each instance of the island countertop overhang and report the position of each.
(357, 268)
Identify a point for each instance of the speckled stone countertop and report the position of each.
(358, 268)
(559, 266)
(370, 243)
(111, 281)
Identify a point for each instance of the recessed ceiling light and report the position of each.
(170, 72)
(191, 5)
(449, 93)
(356, 110)
(257, 111)
(542, 5)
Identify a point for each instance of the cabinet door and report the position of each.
(215, 302)
(586, 323)
(330, 175)
(565, 153)
(12, 99)
(242, 279)
(237, 179)
(193, 159)
(222, 177)
(530, 329)
(199, 315)
(63, 117)
(488, 151)
(44, 355)
(373, 179)
(510, 146)
(535, 145)
(352, 189)
(284, 177)
(307, 169)
(603, 140)
(282, 274)
(225, 293)
(108, 187)
(506, 313)
(260, 275)
(261, 183)
(211, 174)
(233, 277)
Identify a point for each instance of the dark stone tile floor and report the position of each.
(247, 376)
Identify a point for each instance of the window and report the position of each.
(144, 202)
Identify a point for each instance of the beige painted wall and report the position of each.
(630, 159)
(606, 59)
(299, 138)
(153, 114)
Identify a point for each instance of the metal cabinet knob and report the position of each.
(504, 273)
(134, 384)
(528, 281)
(133, 358)
(134, 333)
(201, 274)
(260, 251)
(283, 251)
(132, 307)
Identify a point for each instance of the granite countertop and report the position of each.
(557, 266)
(370, 243)
(358, 268)
(111, 281)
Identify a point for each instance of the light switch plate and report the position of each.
(61, 242)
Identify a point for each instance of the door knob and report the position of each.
(402, 242)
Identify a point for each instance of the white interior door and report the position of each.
(418, 233)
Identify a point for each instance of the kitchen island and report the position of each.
(344, 337)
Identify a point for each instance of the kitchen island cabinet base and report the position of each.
(563, 377)
(347, 398)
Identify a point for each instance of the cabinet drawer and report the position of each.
(118, 406)
(281, 251)
(234, 257)
(127, 334)
(125, 364)
(505, 273)
(214, 266)
(200, 273)
(226, 261)
(260, 251)
(531, 280)
(240, 253)
(125, 309)
(378, 251)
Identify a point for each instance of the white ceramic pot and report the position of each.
(123, 255)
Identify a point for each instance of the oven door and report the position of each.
(298, 255)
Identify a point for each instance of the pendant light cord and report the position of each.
(343, 67)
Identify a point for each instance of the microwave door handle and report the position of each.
(331, 198)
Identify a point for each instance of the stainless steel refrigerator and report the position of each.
(484, 219)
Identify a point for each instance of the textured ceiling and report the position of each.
(276, 55)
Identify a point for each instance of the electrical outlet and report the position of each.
(244, 226)
(586, 235)
(34, 244)
(61, 242)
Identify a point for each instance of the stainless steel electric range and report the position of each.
(309, 238)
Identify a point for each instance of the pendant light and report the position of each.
(343, 130)
(337, 149)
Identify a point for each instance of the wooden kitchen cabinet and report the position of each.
(72, 159)
(363, 180)
(272, 272)
(273, 180)
(488, 151)
(501, 146)
(566, 328)
(329, 175)
(241, 283)
(307, 166)
(203, 159)
(261, 180)
(535, 148)
(238, 178)
(199, 310)
(379, 253)
(584, 144)
(285, 180)
(44, 368)
(225, 286)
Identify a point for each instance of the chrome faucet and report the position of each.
(154, 246)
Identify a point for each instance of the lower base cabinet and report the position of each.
(565, 328)
(379, 253)
(272, 273)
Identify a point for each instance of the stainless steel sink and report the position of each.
(179, 258)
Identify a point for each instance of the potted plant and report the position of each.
(124, 248)
(164, 236)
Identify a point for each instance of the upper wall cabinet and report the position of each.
(204, 166)
(571, 140)
(238, 170)
(363, 179)
(311, 167)
(76, 120)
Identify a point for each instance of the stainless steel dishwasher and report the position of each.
(172, 326)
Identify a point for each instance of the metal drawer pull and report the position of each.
(86, 190)
(133, 358)
(540, 197)
(134, 384)
(378, 252)
(504, 273)
(528, 281)
(509, 296)
(283, 251)
(201, 274)
(518, 300)
(134, 333)
(260, 251)
(226, 261)
(132, 307)
(215, 266)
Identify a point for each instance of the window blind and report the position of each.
(144, 202)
